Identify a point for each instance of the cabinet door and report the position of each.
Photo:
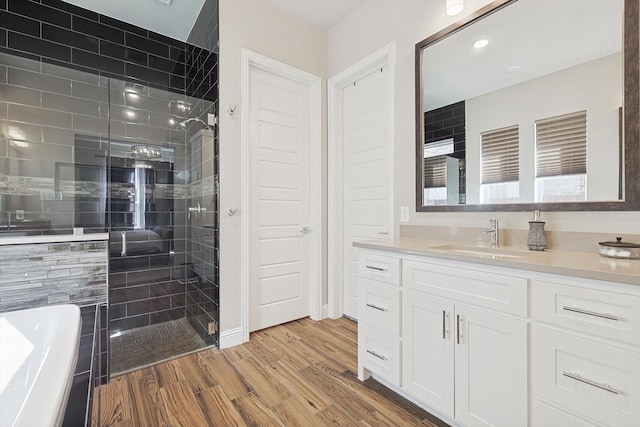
(491, 369)
(427, 355)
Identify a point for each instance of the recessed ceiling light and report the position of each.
(512, 68)
(454, 7)
(166, 1)
(480, 43)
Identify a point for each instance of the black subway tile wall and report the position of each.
(81, 88)
(55, 30)
(444, 123)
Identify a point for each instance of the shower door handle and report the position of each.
(195, 209)
(123, 241)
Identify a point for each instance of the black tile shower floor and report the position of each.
(138, 347)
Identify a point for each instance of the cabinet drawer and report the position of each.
(381, 268)
(491, 290)
(594, 379)
(545, 415)
(379, 353)
(380, 306)
(608, 314)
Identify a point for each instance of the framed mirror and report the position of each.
(530, 104)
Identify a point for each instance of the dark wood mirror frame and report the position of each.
(631, 120)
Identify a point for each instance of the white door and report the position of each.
(367, 173)
(427, 356)
(491, 369)
(279, 200)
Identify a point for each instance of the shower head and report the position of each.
(184, 123)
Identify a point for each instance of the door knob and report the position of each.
(305, 230)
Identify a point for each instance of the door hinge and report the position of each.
(211, 328)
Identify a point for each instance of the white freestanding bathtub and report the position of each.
(38, 355)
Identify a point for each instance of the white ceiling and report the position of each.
(540, 36)
(177, 19)
(322, 13)
(174, 20)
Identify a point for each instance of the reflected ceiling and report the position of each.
(572, 21)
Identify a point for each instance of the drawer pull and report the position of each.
(458, 319)
(591, 313)
(370, 267)
(577, 377)
(379, 356)
(375, 307)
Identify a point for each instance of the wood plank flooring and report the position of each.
(297, 374)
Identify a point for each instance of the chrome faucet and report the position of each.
(494, 231)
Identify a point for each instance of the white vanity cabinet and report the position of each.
(484, 345)
(467, 361)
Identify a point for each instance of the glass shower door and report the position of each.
(148, 189)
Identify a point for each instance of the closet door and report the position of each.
(367, 170)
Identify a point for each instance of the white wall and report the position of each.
(267, 30)
(376, 23)
(572, 90)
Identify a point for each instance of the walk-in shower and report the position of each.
(115, 132)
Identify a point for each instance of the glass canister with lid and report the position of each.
(620, 249)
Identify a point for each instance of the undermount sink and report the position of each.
(38, 356)
(483, 251)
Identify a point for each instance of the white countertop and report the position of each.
(61, 238)
(577, 264)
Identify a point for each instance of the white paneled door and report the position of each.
(367, 172)
(279, 199)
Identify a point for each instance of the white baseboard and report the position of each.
(231, 338)
(325, 311)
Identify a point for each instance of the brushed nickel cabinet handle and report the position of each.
(458, 324)
(444, 315)
(577, 377)
(379, 356)
(375, 307)
(590, 313)
(370, 267)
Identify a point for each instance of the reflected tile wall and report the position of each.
(449, 122)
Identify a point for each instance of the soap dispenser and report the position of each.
(537, 239)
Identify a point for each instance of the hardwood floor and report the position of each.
(297, 374)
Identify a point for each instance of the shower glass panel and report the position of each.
(155, 277)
